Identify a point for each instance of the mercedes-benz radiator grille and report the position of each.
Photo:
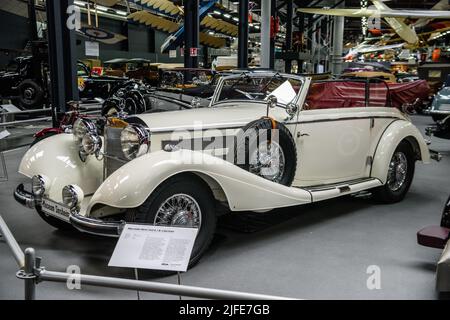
(114, 157)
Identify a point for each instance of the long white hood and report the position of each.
(216, 117)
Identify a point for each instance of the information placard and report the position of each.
(154, 247)
(92, 48)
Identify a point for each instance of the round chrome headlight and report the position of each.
(81, 127)
(91, 143)
(135, 140)
(38, 184)
(72, 196)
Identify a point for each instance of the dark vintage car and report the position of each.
(24, 82)
(438, 237)
(137, 68)
(91, 86)
(134, 97)
(435, 74)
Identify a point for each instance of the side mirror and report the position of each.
(292, 109)
(272, 101)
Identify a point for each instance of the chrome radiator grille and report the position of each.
(114, 157)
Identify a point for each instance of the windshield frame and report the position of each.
(269, 74)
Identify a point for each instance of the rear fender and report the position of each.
(397, 132)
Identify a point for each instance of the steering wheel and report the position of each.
(246, 94)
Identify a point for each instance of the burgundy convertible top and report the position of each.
(349, 94)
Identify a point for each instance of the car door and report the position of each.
(332, 145)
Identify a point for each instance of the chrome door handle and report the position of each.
(299, 134)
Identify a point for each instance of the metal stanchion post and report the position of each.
(4, 176)
(30, 284)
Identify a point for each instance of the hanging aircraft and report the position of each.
(394, 17)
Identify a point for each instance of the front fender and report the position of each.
(132, 184)
(391, 138)
(57, 158)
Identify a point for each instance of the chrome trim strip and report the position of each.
(337, 185)
(238, 125)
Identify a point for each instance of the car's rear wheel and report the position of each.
(261, 151)
(400, 175)
(438, 117)
(182, 201)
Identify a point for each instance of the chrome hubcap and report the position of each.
(179, 210)
(28, 93)
(398, 169)
(268, 161)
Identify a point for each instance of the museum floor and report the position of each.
(319, 251)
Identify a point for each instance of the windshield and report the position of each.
(257, 87)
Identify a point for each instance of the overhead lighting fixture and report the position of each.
(256, 27)
(235, 19)
(217, 12)
(80, 3)
(226, 15)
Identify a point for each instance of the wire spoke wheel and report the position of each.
(268, 161)
(179, 210)
(398, 170)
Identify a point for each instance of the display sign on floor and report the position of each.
(154, 248)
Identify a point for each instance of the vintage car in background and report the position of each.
(440, 112)
(92, 86)
(24, 82)
(257, 147)
(185, 78)
(438, 237)
(435, 74)
(388, 77)
(135, 97)
(440, 107)
(137, 68)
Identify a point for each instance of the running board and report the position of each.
(319, 193)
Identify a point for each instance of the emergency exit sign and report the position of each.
(193, 52)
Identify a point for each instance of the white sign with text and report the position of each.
(92, 48)
(154, 247)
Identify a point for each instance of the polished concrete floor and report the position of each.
(319, 251)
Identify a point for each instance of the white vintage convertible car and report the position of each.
(260, 145)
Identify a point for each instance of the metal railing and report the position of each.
(32, 273)
(87, 108)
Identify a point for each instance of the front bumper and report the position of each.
(96, 226)
(24, 197)
(80, 222)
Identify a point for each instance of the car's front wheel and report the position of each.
(400, 175)
(182, 201)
